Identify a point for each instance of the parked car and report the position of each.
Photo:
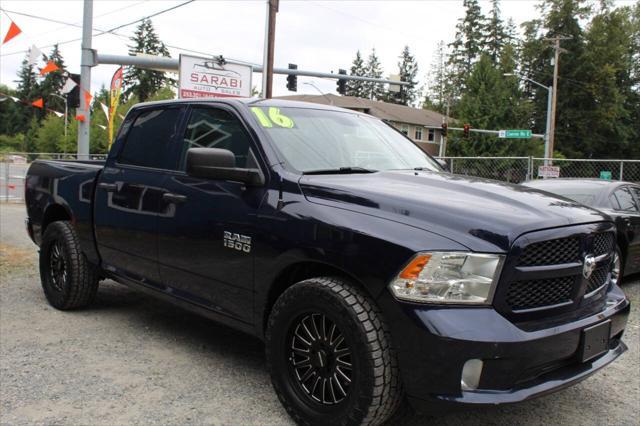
(374, 277)
(620, 200)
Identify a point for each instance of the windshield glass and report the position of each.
(583, 194)
(317, 140)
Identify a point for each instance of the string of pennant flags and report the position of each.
(36, 58)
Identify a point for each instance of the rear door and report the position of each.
(205, 250)
(129, 191)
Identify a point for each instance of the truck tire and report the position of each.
(69, 281)
(330, 357)
(618, 266)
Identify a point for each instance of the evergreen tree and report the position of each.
(492, 102)
(608, 62)
(436, 90)
(494, 33)
(466, 47)
(28, 90)
(374, 69)
(559, 18)
(143, 82)
(8, 110)
(408, 69)
(54, 81)
(354, 87)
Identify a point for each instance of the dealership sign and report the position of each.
(208, 77)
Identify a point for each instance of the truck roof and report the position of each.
(246, 102)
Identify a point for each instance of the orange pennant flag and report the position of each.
(50, 67)
(80, 117)
(38, 103)
(14, 30)
(87, 98)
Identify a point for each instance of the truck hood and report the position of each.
(481, 214)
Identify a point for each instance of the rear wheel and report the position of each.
(69, 281)
(330, 357)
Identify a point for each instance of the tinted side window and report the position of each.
(149, 139)
(625, 200)
(215, 128)
(636, 192)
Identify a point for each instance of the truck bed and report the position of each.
(62, 190)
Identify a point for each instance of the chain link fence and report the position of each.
(14, 166)
(519, 169)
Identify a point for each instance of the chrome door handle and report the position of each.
(109, 187)
(174, 198)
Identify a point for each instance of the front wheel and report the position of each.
(69, 281)
(330, 357)
(616, 269)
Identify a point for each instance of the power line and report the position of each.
(109, 31)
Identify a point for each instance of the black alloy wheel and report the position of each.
(330, 355)
(320, 359)
(69, 281)
(57, 266)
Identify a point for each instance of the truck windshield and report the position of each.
(319, 141)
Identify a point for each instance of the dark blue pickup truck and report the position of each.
(375, 278)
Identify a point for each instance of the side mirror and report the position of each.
(443, 164)
(216, 163)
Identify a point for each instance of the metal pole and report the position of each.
(547, 153)
(265, 57)
(443, 141)
(86, 62)
(273, 9)
(554, 97)
(621, 170)
(6, 180)
(155, 62)
(66, 120)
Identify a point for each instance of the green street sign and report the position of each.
(605, 174)
(515, 134)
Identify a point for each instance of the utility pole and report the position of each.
(554, 92)
(443, 138)
(86, 62)
(269, 42)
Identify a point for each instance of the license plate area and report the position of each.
(594, 341)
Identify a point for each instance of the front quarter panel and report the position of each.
(368, 249)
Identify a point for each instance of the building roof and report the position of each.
(382, 110)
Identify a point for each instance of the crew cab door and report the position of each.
(129, 192)
(206, 248)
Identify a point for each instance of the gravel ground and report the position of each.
(131, 359)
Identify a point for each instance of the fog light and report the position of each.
(471, 374)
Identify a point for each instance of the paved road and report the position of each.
(134, 360)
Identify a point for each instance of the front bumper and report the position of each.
(433, 343)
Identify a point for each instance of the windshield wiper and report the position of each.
(339, 171)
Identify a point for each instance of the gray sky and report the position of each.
(316, 35)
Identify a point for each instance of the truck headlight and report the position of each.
(448, 277)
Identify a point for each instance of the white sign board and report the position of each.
(206, 77)
(548, 171)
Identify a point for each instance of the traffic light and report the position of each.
(342, 84)
(73, 97)
(292, 79)
(444, 129)
(465, 130)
